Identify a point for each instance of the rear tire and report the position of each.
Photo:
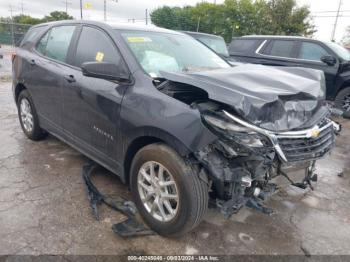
(28, 117)
(342, 101)
(192, 201)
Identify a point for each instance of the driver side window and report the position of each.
(311, 51)
(95, 46)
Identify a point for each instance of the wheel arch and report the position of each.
(141, 141)
(18, 89)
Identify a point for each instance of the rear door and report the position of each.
(91, 105)
(46, 74)
(278, 52)
(242, 49)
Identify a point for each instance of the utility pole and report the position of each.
(66, 2)
(198, 22)
(336, 22)
(146, 16)
(21, 6)
(105, 8)
(12, 30)
(81, 9)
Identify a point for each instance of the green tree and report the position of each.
(26, 19)
(57, 16)
(238, 17)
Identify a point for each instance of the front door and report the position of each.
(91, 106)
(310, 54)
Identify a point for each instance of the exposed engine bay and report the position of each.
(271, 136)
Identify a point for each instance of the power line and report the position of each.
(320, 16)
(330, 11)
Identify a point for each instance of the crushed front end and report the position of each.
(267, 120)
(245, 158)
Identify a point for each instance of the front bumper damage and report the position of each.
(241, 175)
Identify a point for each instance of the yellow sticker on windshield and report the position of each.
(139, 39)
(99, 56)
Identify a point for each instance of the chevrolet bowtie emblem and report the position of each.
(315, 133)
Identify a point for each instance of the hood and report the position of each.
(274, 98)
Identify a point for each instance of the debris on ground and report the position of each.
(133, 225)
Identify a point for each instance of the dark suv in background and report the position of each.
(331, 58)
(214, 42)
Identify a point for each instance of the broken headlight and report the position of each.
(244, 135)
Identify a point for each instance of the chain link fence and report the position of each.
(12, 33)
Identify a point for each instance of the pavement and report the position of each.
(44, 207)
(5, 62)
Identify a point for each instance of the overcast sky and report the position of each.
(322, 10)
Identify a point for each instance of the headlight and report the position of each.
(243, 134)
(225, 125)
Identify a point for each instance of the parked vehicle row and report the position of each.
(331, 58)
(170, 117)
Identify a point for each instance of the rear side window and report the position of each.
(241, 45)
(311, 51)
(32, 35)
(281, 48)
(95, 46)
(55, 43)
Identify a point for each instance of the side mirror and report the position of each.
(329, 60)
(104, 70)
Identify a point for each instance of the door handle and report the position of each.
(32, 62)
(70, 78)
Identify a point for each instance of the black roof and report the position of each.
(121, 26)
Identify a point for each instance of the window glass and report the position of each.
(241, 45)
(42, 43)
(95, 46)
(31, 35)
(55, 42)
(282, 48)
(311, 51)
(216, 43)
(339, 50)
(158, 52)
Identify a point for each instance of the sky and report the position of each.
(323, 11)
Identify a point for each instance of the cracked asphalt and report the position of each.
(44, 207)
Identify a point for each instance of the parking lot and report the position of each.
(44, 207)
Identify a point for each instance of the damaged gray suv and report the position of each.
(171, 118)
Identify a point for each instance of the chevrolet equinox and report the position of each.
(171, 118)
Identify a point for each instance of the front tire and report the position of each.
(28, 117)
(168, 193)
(342, 101)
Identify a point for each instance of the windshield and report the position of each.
(171, 52)
(339, 50)
(216, 43)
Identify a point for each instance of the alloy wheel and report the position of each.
(158, 191)
(26, 115)
(346, 103)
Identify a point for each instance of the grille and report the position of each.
(305, 149)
